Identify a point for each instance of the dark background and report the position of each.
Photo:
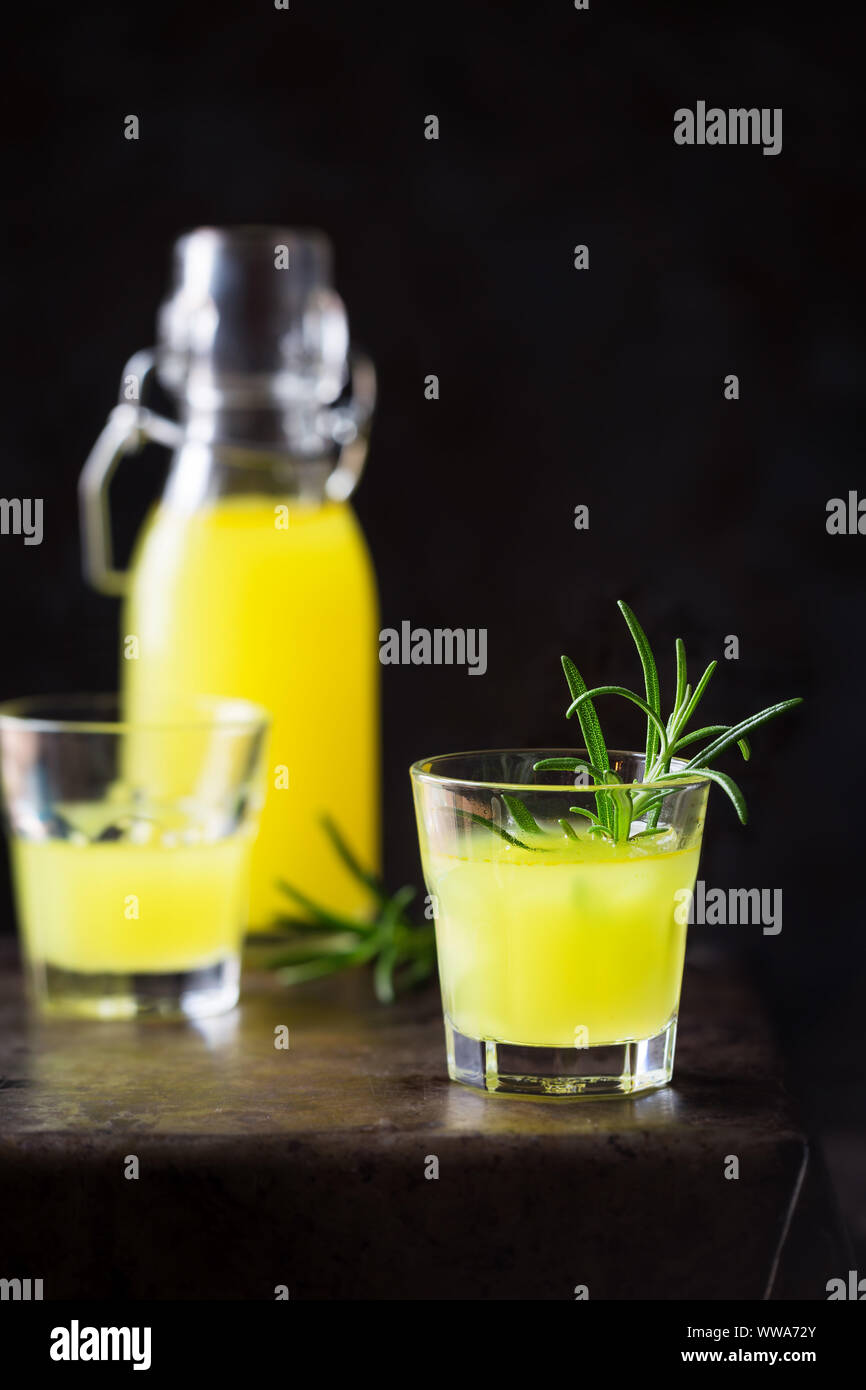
(558, 387)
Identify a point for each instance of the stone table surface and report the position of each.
(308, 1167)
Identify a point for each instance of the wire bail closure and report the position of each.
(341, 428)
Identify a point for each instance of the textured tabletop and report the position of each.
(312, 1167)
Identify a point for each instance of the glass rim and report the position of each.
(418, 773)
(227, 713)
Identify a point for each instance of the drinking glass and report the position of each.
(560, 946)
(130, 847)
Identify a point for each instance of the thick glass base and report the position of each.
(616, 1069)
(174, 995)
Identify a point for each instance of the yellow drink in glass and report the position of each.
(561, 910)
(125, 908)
(132, 895)
(271, 600)
(579, 946)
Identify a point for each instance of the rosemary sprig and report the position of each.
(593, 737)
(402, 954)
(617, 811)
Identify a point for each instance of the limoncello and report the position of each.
(271, 599)
(579, 946)
(115, 909)
(130, 849)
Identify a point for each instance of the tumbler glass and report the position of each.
(130, 847)
(561, 908)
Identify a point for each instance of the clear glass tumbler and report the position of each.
(130, 848)
(561, 907)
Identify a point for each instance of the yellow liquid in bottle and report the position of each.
(272, 600)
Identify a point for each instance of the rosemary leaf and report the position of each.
(497, 830)
(736, 731)
(627, 695)
(680, 697)
(357, 870)
(520, 813)
(742, 743)
(651, 679)
(402, 954)
(693, 703)
(320, 914)
(591, 730)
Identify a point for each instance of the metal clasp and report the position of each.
(129, 426)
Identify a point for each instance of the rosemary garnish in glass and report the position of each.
(617, 812)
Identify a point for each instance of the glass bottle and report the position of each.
(251, 577)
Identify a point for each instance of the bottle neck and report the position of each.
(303, 448)
(201, 473)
